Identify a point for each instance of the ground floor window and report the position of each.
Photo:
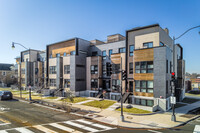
(52, 82)
(144, 102)
(115, 97)
(144, 86)
(94, 83)
(67, 83)
(115, 84)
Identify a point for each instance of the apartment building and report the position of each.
(7, 74)
(148, 54)
(66, 66)
(31, 68)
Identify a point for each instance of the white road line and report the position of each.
(197, 129)
(23, 130)
(62, 127)
(96, 125)
(81, 126)
(44, 129)
(154, 131)
(3, 131)
(4, 124)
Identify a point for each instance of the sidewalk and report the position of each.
(154, 121)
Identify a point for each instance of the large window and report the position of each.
(104, 55)
(115, 84)
(22, 71)
(52, 69)
(64, 54)
(122, 50)
(131, 68)
(166, 66)
(104, 69)
(144, 86)
(110, 52)
(72, 52)
(67, 83)
(115, 68)
(94, 83)
(144, 67)
(4, 73)
(58, 55)
(52, 82)
(67, 69)
(161, 44)
(148, 45)
(144, 102)
(131, 49)
(94, 69)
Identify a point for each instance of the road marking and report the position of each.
(23, 130)
(62, 127)
(81, 126)
(197, 129)
(93, 124)
(154, 131)
(3, 131)
(44, 129)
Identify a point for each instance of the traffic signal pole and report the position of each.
(122, 116)
(173, 98)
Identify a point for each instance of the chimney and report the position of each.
(167, 31)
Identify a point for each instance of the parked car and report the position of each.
(5, 95)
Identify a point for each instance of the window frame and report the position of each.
(131, 68)
(122, 50)
(66, 69)
(147, 45)
(94, 83)
(95, 71)
(131, 51)
(67, 83)
(142, 88)
(145, 69)
(104, 56)
(52, 70)
(110, 50)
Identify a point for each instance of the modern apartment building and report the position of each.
(148, 54)
(7, 74)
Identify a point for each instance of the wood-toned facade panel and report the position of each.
(144, 55)
(143, 94)
(143, 76)
(61, 51)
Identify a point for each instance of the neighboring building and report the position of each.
(7, 75)
(195, 83)
(80, 66)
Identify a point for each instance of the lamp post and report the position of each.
(13, 47)
(173, 85)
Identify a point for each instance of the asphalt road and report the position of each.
(23, 117)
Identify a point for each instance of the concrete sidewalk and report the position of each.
(154, 121)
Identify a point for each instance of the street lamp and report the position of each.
(13, 47)
(173, 118)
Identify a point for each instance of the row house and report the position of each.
(148, 54)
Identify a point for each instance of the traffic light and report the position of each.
(108, 69)
(173, 76)
(124, 76)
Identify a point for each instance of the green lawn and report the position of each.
(75, 99)
(135, 111)
(190, 100)
(50, 97)
(195, 95)
(100, 104)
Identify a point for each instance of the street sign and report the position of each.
(173, 100)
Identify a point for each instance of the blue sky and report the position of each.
(36, 23)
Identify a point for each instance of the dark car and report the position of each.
(5, 95)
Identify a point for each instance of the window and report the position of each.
(115, 84)
(104, 55)
(166, 66)
(144, 67)
(52, 69)
(148, 45)
(52, 82)
(167, 87)
(144, 102)
(65, 54)
(36, 70)
(131, 48)
(23, 81)
(67, 83)
(94, 53)
(67, 69)
(161, 44)
(72, 53)
(94, 83)
(115, 68)
(4, 73)
(22, 71)
(104, 69)
(144, 86)
(110, 52)
(131, 86)
(131, 68)
(50, 56)
(94, 69)
(58, 55)
(122, 50)
(170, 67)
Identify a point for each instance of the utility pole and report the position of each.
(173, 98)
(122, 116)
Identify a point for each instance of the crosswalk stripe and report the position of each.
(3, 131)
(44, 129)
(91, 123)
(23, 130)
(62, 127)
(154, 131)
(81, 126)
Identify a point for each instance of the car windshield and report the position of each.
(1, 92)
